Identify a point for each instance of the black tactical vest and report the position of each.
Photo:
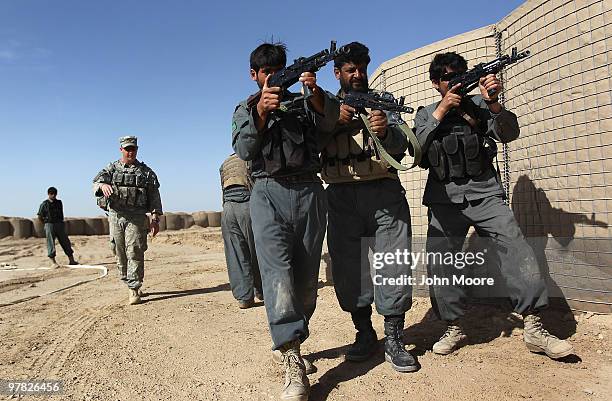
(460, 150)
(289, 142)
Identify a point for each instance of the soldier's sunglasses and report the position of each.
(130, 148)
(449, 75)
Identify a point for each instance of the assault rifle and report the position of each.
(469, 79)
(386, 102)
(377, 101)
(289, 75)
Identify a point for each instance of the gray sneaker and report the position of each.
(450, 341)
(297, 386)
(538, 340)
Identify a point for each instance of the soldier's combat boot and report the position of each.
(395, 351)
(366, 340)
(277, 357)
(450, 340)
(54, 264)
(71, 260)
(134, 298)
(297, 386)
(141, 293)
(538, 340)
(246, 304)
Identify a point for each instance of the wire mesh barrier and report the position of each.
(558, 173)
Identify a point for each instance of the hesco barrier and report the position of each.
(21, 228)
(200, 219)
(6, 229)
(214, 219)
(24, 228)
(105, 224)
(75, 226)
(94, 226)
(558, 174)
(187, 219)
(38, 228)
(174, 221)
(162, 222)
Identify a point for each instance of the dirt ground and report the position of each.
(189, 341)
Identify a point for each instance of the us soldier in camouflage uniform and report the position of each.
(463, 190)
(129, 189)
(367, 207)
(237, 233)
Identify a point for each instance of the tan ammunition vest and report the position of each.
(350, 157)
(234, 172)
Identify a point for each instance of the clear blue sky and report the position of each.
(76, 75)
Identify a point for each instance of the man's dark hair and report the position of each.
(52, 190)
(452, 60)
(357, 53)
(269, 55)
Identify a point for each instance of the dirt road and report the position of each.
(189, 341)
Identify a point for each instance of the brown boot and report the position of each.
(538, 340)
(246, 304)
(297, 386)
(277, 357)
(134, 298)
(450, 341)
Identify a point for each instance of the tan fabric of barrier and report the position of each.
(559, 171)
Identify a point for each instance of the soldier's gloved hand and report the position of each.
(107, 190)
(487, 83)
(269, 100)
(346, 114)
(378, 122)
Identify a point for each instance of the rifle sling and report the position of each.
(382, 151)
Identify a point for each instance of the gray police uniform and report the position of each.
(367, 208)
(463, 190)
(288, 208)
(52, 214)
(236, 229)
(135, 193)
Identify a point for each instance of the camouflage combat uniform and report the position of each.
(135, 193)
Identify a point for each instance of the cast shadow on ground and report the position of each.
(344, 372)
(484, 323)
(163, 295)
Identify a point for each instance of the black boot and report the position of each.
(395, 353)
(366, 340)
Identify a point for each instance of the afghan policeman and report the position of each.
(280, 133)
(129, 189)
(51, 213)
(367, 205)
(237, 232)
(463, 189)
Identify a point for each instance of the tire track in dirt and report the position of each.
(70, 331)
